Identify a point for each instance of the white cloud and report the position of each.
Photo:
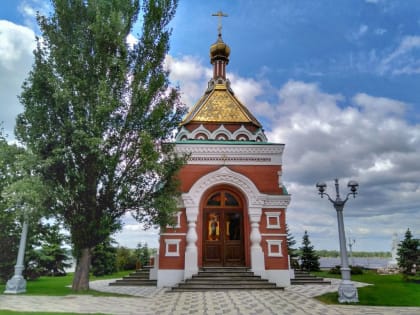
(380, 31)
(189, 73)
(404, 59)
(368, 140)
(16, 45)
(359, 33)
(29, 10)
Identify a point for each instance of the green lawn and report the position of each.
(59, 286)
(386, 290)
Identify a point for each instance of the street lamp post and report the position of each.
(347, 291)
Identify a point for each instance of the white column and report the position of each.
(257, 254)
(17, 284)
(191, 251)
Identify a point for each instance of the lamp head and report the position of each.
(321, 188)
(353, 185)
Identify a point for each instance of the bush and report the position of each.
(354, 270)
(126, 259)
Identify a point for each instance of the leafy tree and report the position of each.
(126, 258)
(143, 254)
(309, 259)
(408, 253)
(9, 227)
(98, 113)
(104, 258)
(21, 196)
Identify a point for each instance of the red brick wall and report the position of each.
(265, 177)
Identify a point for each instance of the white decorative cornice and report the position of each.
(276, 201)
(231, 153)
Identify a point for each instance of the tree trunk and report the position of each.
(81, 276)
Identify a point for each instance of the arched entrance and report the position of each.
(223, 229)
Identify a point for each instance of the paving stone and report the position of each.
(295, 300)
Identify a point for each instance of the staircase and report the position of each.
(138, 278)
(226, 278)
(303, 277)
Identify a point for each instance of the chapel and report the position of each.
(233, 207)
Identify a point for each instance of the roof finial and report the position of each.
(220, 14)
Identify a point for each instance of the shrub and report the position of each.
(354, 270)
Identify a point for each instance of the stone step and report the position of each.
(303, 277)
(134, 283)
(227, 281)
(224, 269)
(230, 278)
(225, 278)
(138, 278)
(227, 286)
(224, 274)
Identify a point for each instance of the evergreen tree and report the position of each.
(291, 242)
(408, 253)
(104, 258)
(98, 113)
(46, 254)
(309, 259)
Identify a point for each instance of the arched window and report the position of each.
(223, 199)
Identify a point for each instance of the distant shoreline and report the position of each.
(365, 262)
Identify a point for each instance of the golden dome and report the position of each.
(219, 49)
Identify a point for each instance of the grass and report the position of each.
(386, 290)
(59, 286)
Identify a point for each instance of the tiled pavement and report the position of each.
(294, 300)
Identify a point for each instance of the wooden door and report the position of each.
(223, 241)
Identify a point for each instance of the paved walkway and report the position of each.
(294, 300)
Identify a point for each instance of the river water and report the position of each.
(366, 262)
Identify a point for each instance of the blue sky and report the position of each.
(337, 81)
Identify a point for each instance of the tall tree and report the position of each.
(291, 242)
(21, 198)
(9, 225)
(408, 253)
(97, 112)
(309, 258)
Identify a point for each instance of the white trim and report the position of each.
(173, 234)
(224, 175)
(231, 153)
(275, 215)
(280, 277)
(274, 243)
(171, 241)
(169, 277)
(273, 234)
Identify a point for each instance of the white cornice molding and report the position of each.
(232, 154)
